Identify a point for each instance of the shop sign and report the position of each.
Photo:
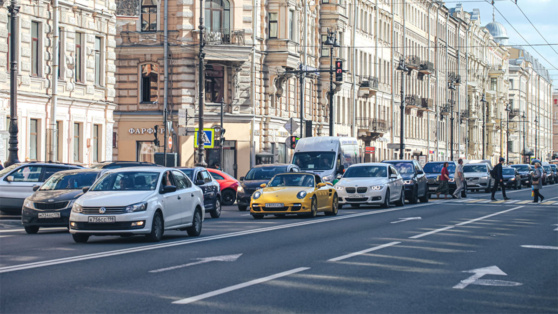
(141, 131)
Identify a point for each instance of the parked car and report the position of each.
(138, 201)
(526, 172)
(210, 187)
(433, 170)
(255, 177)
(123, 164)
(554, 169)
(227, 184)
(549, 178)
(371, 184)
(303, 194)
(416, 184)
(512, 178)
(17, 181)
(478, 177)
(52, 202)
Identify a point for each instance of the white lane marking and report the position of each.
(336, 259)
(556, 225)
(543, 247)
(222, 258)
(478, 273)
(406, 219)
(5, 236)
(462, 223)
(239, 286)
(20, 230)
(511, 201)
(496, 283)
(191, 241)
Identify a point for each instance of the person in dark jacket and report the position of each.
(537, 183)
(499, 180)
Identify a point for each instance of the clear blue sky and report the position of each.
(542, 13)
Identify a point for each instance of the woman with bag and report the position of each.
(537, 183)
(443, 188)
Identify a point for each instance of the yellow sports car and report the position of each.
(297, 193)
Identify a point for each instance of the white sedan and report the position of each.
(371, 183)
(138, 200)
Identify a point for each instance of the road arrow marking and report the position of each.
(556, 225)
(406, 219)
(544, 247)
(223, 258)
(480, 272)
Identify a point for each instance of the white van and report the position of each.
(326, 156)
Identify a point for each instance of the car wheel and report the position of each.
(386, 200)
(31, 229)
(195, 229)
(334, 206)
(216, 213)
(242, 208)
(414, 197)
(157, 228)
(80, 238)
(313, 208)
(401, 201)
(228, 196)
(425, 198)
(257, 216)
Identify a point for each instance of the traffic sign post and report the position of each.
(170, 142)
(370, 150)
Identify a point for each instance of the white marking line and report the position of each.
(191, 241)
(5, 236)
(478, 273)
(340, 258)
(223, 258)
(543, 247)
(20, 230)
(511, 202)
(462, 223)
(239, 286)
(406, 219)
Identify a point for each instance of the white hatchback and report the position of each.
(138, 200)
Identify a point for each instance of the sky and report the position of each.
(542, 13)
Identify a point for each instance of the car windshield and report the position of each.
(546, 168)
(314, 160)
(264, 173)
(127, 181)
(522, 168)
(305, 180)
(69, 181)
(366, 172)
(436, 167)
(508, 172)
(189, 173)
(404, 168)
(474, 168)
(7, 170)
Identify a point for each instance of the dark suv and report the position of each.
(210, 187)
(433, 170)
(255, 177)
(526, 172)
(416, 184)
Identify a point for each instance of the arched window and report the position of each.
(217, 16)
(149, 84)
(149, 15)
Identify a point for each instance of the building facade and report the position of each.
(72, 122)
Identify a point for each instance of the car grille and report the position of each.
(350, 190)
(432, 181)
(105, 226)
(362, 189)
(356, 199)
(109, 210)
(57, 205)
(249, 191)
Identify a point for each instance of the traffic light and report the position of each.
(292, 142)
(156, 140)
(339, 71)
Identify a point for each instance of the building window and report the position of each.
(79, 57)
(273, 25)
(149, 15)
(77, 142)
(35, 49)
(33, 137)
(98, 62)
(217, 16)
(325, 49)
(149, 83)
(96, 137)
(214, 83)
(493, 83)
(291, 25)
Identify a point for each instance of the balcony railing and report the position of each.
(412, 101)
(426, 67)
(130, 38)
(413, 62)
(374, 126)
(225, 37)
(514, 113)
(426, 104)
(368, 87)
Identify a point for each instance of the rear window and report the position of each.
(521, 167)
(189, 173)
(404, 167)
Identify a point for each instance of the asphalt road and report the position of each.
(445, 256)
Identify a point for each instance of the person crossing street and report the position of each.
(499, 180)
(459, 179)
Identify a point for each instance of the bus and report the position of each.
(327, 156)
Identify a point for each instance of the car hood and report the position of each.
(253, 184)
(476, 174)
(431, 175)
(113, 198)
(508, 176)
(361, 181)
(55, 195)
(286, 190)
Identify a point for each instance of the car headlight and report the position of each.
(257, 195)
(138, 207)
(513, 179)
(326, 178)
(339, 188)
(484, 178)
(301, 194)
(240, 189)
(376, 187)
(70, 203)
(409, 182)
(29, 204)
(77, 208)
(451, 180)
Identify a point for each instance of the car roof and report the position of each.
(191, 168)
(106, 164)
(370, 164)
(49, 163)
(520, 165)
(85, 170)
(395, 160)
(132, 169)
(271, 165)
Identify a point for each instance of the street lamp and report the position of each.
(451, 87)
(332, 43)
(508, 110)
(403, 68)
(12, 157)
(523, 117)
(483, 100)
(201, 56)
(536, 135)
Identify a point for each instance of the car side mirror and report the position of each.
(393, 176)
(200, 182)
(85, 189)
(321, 185)
(263, 185)
(241, 178)
(169, 188)
(36, 187)
(10, 178)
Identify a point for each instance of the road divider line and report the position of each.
(543, 247)
(379, 247)
(22, 230)
(418, 236)
(239, 286)
(525, 202)
(474, 201)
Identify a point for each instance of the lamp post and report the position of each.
(332, 43)
(201, 81)
(524, 120)
(12, 157)
(403, 68)
(483, 100)
(508, 110)
(451, 87)
(536, 135)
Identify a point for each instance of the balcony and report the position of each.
(231, 41)
(368, 87)
(426, 68)
(514, 113)
(456, 78)
(373, 128)
(225, 37)
(132, 38)
(464, 116)
(426, 104)
(446, 110)
(412, 101)
(413, 62)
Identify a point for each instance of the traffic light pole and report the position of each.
(331, 112)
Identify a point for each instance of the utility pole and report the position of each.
(332, 43)
(13, 149)
(166, 83)
(451, 87)
(403, 70)
(201, 151)
(483, 100)
(524, 129)
(508, 109)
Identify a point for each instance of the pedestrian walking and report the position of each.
(499, 180)
(459, 179)
(443, 188)
(537, 183)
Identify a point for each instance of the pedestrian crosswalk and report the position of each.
(489, 201)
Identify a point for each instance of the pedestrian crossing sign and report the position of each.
(208, 138)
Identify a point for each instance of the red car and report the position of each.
(228, 185)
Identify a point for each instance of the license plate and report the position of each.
(275, 205)
(102, 219)
(49, 215)
(432, 188)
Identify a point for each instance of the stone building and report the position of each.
(82, 130)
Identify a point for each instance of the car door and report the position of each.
(396, 185)
(205, 185)
(321, 193)
(421, 179)
(23, 179)
(172, 201)
(186, 203)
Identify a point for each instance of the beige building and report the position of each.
(555, 124)
(82, 121)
